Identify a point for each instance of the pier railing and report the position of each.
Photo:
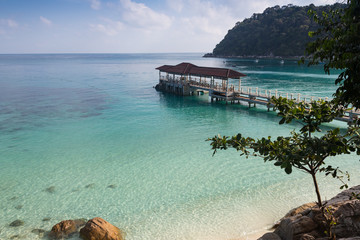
(268, 94)
(252, 93)
(256, 92)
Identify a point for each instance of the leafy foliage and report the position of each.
(337, 45)
(278, 31)
(301, 150)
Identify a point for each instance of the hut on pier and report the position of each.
(187, 79)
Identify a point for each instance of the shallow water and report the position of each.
(87, 135)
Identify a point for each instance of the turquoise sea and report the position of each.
(86, 135)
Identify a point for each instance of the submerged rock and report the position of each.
(66, 228)
(98, 228)
(50, 189)
(18, 207)
(39, 232)
(91, 185)
(16, 223)
(15, 237)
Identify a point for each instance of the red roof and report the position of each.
(191, 69)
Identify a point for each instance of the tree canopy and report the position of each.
(337, 45)
(278, 31)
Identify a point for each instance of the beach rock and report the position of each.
(269, 236)
(347, 218)
(301, 209)
(307, 237)
(295, 226)
(308, 222)
(16, 223)
(66, 228)
(344, 196)
(98, 228)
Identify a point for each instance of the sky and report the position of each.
(124, 26)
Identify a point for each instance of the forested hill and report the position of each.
(278, 31)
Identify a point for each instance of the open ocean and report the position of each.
(87, 135)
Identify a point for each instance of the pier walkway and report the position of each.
(188, 79)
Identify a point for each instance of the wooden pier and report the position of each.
(188, 79)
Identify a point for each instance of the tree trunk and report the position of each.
(317, 189)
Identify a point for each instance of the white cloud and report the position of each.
(176, 5)
(95, 4)
(140, 16)
(6, 25)
(45, 21)
(206, 17)
(109, 27)
(9, 23)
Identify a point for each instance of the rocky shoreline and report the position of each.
(339, 220)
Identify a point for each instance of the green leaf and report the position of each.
(288, 169)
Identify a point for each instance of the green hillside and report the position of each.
(278, 31)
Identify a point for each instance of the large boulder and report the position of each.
(97, 228)
(300, 209)
(347, 218)
(66, 228)
(295, 226)
(308, 222)
(344, 196)
(270, 236)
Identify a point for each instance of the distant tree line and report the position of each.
(277, 32)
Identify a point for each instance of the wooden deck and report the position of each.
(233, 94)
